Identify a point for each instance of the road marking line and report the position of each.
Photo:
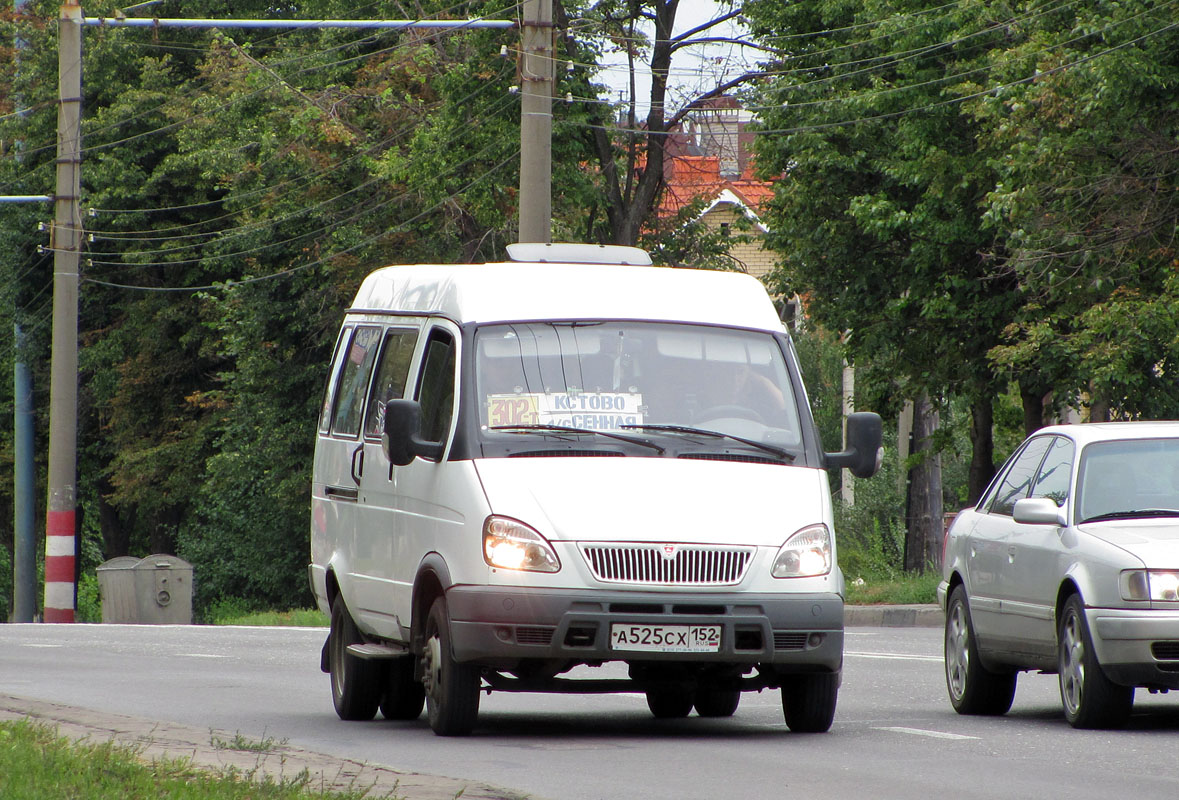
(893, 656)
(201, 655)
(923, 732)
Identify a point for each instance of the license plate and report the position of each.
(665, 638)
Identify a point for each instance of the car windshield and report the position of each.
(633, 377)
(1129, 478)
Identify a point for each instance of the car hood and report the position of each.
(656, 499)
(1155, 541)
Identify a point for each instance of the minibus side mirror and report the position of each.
(402, 440)
(865, 434)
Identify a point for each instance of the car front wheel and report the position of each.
(452, 689)
(808, 701)
(973, 688)
(1091, 700)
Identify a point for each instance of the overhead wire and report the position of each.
(177, 97)
(918, 109)
(223, 235)
(289, 187)
(323, 259)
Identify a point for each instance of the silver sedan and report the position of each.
(1069, 565)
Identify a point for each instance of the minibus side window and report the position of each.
(436, 386)
(392, 373)
(325, 414)
(353, 381)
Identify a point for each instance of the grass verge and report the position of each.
(301, 617)
(903, 589)
(38, 764)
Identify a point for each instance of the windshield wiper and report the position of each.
(570, 429)
(1135, 514)
(685, 429)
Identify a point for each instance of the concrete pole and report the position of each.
(60, 527)
(536, 121)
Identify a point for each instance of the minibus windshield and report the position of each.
(634, 377)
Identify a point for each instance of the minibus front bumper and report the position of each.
(493, 625)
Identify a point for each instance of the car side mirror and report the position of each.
(1038, 511)
(865, 434)
(402, 440)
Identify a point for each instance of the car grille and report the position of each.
(534, 634)
(668, 565)
(789, 640)
(1165, 651)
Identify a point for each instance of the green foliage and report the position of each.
(889, 588)
(89, 605)
(228, 612)
(5, 583)
(871, 532)
(38, 764)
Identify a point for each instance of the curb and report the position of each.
(910, 616)
(205, 748)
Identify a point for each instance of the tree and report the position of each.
(631, 161)
(877, 215)
(1088, 203)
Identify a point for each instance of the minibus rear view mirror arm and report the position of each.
(402, 440)
(864, 451)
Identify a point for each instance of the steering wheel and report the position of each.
(729, 411)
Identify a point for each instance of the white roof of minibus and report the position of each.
(513, 291)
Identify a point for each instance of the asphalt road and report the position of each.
(895, 735)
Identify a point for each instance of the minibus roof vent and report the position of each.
(571, 253)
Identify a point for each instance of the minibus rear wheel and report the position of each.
(356, 685)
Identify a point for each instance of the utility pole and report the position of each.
(24, 527)
(536, 121)
(66, 242)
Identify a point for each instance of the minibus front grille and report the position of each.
(667, 564)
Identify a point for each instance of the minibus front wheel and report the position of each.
(452, 689)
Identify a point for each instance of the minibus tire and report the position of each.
(404, 696)
(356, 685)
(717, 702)
(452, 689)
(669, 704)
(808, 701)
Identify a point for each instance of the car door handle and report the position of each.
(342, 493)
(358, 464)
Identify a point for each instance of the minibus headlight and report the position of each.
(509, 544)
(1150, 584)
(806, 554)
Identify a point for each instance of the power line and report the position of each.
(288, 272)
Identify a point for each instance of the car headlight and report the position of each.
(1150, 584)
(806, 554)
(509, 544)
